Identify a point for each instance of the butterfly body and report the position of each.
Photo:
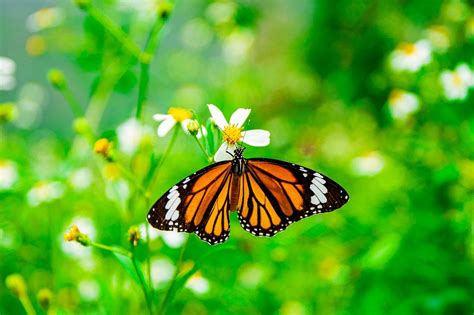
(267, 194)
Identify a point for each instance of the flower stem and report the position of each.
(150, 48)
(116, 32)
(26, 302)
(167, 296)
(117, 250)
(209, 158)
(142, 284)
(164, 156)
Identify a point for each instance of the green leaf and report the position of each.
(127, 264)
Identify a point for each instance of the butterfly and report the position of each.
(267, 194)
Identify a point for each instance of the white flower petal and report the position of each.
(223, 153)
(218, 117)
(239, 116)
(256, 137)
(160, 117)
(166, 126)
(184, 124)
(201, 132)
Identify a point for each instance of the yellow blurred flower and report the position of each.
(35, 45)
(16, 283)
(74, 234)
(45, 298)
(103, 147)
(134, 235)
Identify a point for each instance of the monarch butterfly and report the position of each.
(267, 194)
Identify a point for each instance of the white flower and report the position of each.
(8, 174)
(131, 134)
(168, 121)
(368, 165)
(89, 289)
(456, 83)
(44, 192)
(44, 18)
(402, 104)
(7, 74)
(162, 270)
(198, 284)
(237, 46)
(233, 132)
(81, 178)
(411, 57)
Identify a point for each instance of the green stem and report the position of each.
(149, 51)
(117, 250)
(131, 178)
(73, 102)
(148, 260)
(143, 285)
(209, 158)
(116, 32)
(142, 88)
(25, 301)
(164, 156)
(166, 299)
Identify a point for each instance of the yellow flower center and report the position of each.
(408, 48)
(457, 80)
(180, 114)
(232, 134)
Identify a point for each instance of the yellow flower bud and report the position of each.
(57, 79)
(164, 9)
(74, 234)
(102, 147)
(45, 298)
(193, 127)
(134, 236)
(16, 283)
(83, 4)
(7, 112)
(82, 126)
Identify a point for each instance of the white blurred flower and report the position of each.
(233, 132)
(171, 238)
(402, 104)
(411, 57)
(221, 11)
(44, 18)
(168, 121)
(196, 34)
(154, 233)
(438, 36)
(162, 270)
(8, 174)
(251, 275)
(131, 134)
(457, 83)
(118, 190)
(7, 74)
(89, 289)
(368, 165)
(198, 284)
(44, 191)
(237, 46)
(81, 178)
(145, 10)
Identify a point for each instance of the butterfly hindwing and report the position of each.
(274, 194)
(199, 203)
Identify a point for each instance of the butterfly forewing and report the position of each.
(275, 194)
(199, 203)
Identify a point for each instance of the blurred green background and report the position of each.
(375, 94)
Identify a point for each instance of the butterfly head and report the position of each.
(238, 161)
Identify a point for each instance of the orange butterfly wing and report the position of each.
(199, 203)
(274, 194)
